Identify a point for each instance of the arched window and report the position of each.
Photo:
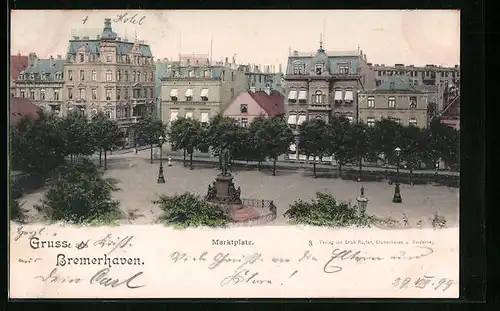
(318, 97)
(108, 75)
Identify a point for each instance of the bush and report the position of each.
(324, 210)
(438, 221)
(81, 195)
(189, 210)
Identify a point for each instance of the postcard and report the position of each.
(234, 154)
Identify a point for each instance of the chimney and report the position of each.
(267, 90)
(33, 59)
(227, 60)
(59, 56)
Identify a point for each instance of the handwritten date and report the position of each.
(423, 282)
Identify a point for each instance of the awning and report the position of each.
(292, 119)
(189, 93)
(338, 95)
(173, 93)
(292, 148)
(173, 115)
(302, 95)
(292, 156)
(204, 93)
(204, 117)
(292, 95)
(189, 114)
(348, 96)
(301, 119)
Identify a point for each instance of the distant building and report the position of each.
(451, 114)
(42, 83)
(20, 108)
(196, 88)
(18, 63)
(259, 79)
(111, 75)
(394, 99)
(162, 69)
(249, 105)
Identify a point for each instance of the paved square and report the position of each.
(139, 188)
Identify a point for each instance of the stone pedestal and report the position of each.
(223, 186)
(223, 190)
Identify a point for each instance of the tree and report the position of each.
(222, 133)
(358, 144)
(338, 136)
(257, 141)
(314, 140)
(387, 136)
(189, 210)
(412, 147)
(275, 137)
(442, 143)
(187, 134)
(81, 194)
(149, 129)
(106, 135)
(77, 134)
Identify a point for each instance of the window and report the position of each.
(392, 102)
(94, 93)
(70, 93)
(32, 94)
(298, 69)
(344, 69)
(339, 96)
(108, 114)
(82, 75)
(94, 75)
(318, 97)
(189, 115)
(133, 76)
(70, 75)
(145, 77)
(204, 118)
(370, 121)
(244, 122)
(108, 94)
(22, 94)
(301, 119)
(82, 93)
(371, 102)
(126, 112)
(379, 73)
(173, 115)
(56, 94)
(392, 85)
(108, 75)
(190, 73)
(205, 73)
(119, 75)
(413, 102)
(233, 77)
(302, 97)
(82, 57)
(189, 95)
(151, 77)
(412, 121)
(118, 94)
(292, 119)
(126, 75)
(244, 108)
(108, 58)
(42, 94)
(292, 96)
(319, 69)
(126, 95)
(204, 95)
(348, 96)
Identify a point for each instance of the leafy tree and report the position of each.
(222, 132)
(314, 140)
(189, 210)
(387, 136)
(77, 134)
(149, 129)
(412, 147)
(442, 143)
(257, 141)
(81, 194)
(242, 145)
(324, 210)
(187, 134)
(338, 136)
(106, 135)
(358, 144)
(275, 137)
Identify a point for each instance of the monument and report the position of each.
(223, 189)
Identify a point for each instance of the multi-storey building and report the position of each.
(325, 84)
(445, 80)
(249, 105)
(42, 83)
(111, 75)
(18, 63)
(263, 80)
(194, 88)
(162, 68)
(394, 99)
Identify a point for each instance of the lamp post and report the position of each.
(362, 202)
(161, 178)
(397, 192)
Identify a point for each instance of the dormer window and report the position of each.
(82, 57)
(298, 69)
(32, 76)
(344, 69)
(318, 69)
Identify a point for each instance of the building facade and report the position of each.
(266, 79)
(325, 84)
(162, 68)
(42, 83)
(394, 99)
(111, 75)
(249, 105)
(18, 63)
(194, 88)
(451, 114)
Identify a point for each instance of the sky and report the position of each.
(262, 37)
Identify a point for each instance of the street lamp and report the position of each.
(397, 192)
(362, 202)
(161, 178)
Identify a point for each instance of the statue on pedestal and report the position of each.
(224, 160)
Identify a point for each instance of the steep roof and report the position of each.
(332, 60)
(22, 107)
(93, 46)
(48, 66)
(273, 105)
(396, 84)
(18, 63)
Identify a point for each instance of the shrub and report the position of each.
(324, 210)
(438, 221)
(81, 195)
(189, 210)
